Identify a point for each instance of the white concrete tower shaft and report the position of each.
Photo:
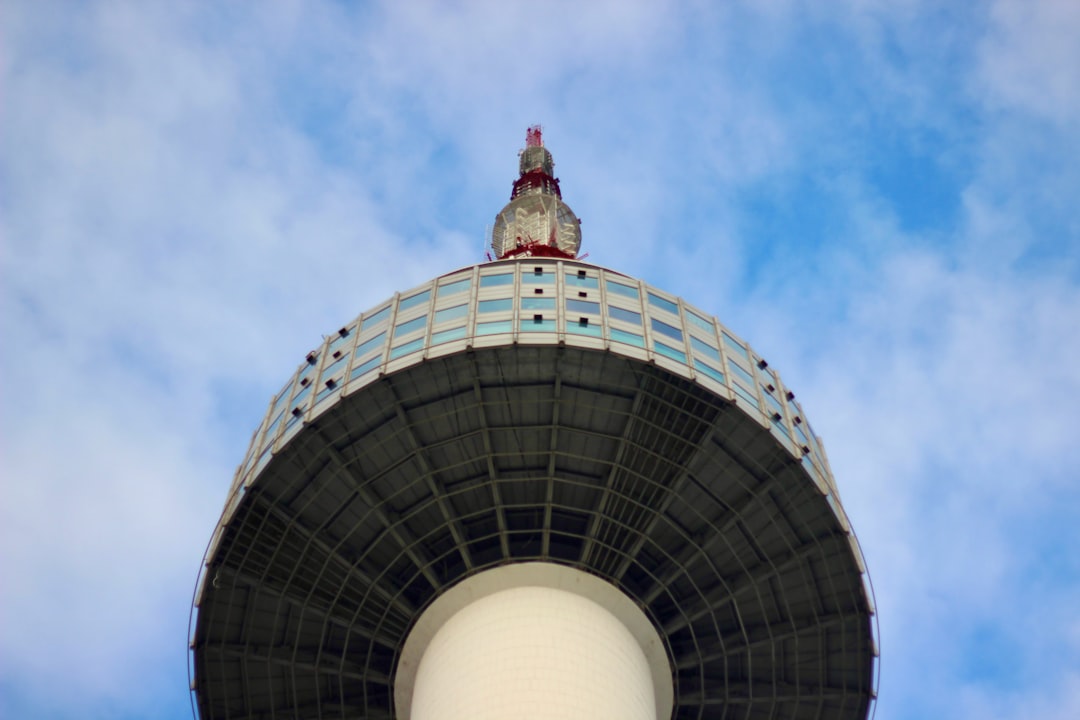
(534, 641)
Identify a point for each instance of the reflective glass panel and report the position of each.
(411, 346)
(663, 304)
(410, 326)
(627, 337)
(414, 300)
(710, 371)
(489, 306)
(451, 313)
(664, 329)
(697, 320)
(376, 318)
(615, 288)
(447, 335)
(454, 288)
(495, 280)
(537, 303)
(670, 352)
(582, 306)
(574, 280)
(704, 348)
(368, 345)
(492, 328)
(625, 315)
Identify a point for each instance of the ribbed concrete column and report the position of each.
(570, 647)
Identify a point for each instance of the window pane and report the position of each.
(670, 352)
(735, 346)
(410, 326)
(451, 313)
(625, 315)
(447, 335)
(532, 278)
(489, 306)
(574, 280)
(664, 329)
(535, 325)
(366, 367)
(376, 318)
(582, 306)
(535, 303)
(587, 329)
(704, 348)
(627, 337)
(745, 394)
(414, 300)
(454, 288)
(492, 328)
(709, 371)
(620, 289)
(657, 301)
(700, 322)
(368, 345)
(742, 374)
(495, 280)
(407, 348)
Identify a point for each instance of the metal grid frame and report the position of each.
(626, 466)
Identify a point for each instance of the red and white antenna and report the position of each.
(536, 222)
(534, 137)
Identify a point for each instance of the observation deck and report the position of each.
(534, 410)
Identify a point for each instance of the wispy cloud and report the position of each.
(879, 196)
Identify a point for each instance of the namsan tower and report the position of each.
(539, 489)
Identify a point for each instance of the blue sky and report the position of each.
(879, 196)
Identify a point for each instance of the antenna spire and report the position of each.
(536, 222)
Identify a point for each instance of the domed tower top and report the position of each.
(536, 222)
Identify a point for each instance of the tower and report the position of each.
(534, 487)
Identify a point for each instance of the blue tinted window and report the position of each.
(574, 280)
(735, 346)
(332, 367)
(338, 341)
(694, 319)
(582, 306)
(625, 315)
(670, 352)
(742, 374)
(664, 329)
(745, 394)
(411, 346)
(495, 280)
(364, 368)
(537, 278)
(657, 301)
(620, 289)
(376, 318)
(709, 371)
(537, 324)
(774, 404)
(537, 303)
(451, 313)
(704, 348)
(301, 397)
(414, 300)
(586, 328)
(454, 288)
(410, 326)
(447, 335)
(493, 328)
(627, 337)
(488, 306)
(369, 345)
